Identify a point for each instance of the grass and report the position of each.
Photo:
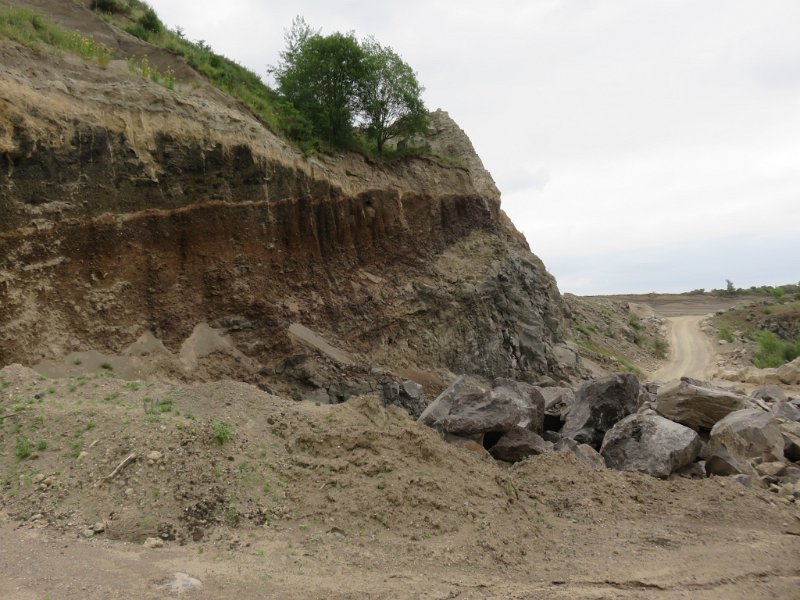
(32, 29)
(725, 334)
(221, 432)
(22, 449)
(773, 351)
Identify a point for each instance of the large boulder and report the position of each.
(435, 413)
(529, 397)
(650, 444)
(790, 372)
(698, 404)
(519, 443)
(557, 401)
(599, 405)
(747, 435)
(791, 440)
(467, 409)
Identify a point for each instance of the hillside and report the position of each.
(223, 356)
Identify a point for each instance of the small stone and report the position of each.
(154, 455)
(37, 517)
(83, 455)
(152, 542)
(38, 478)
(771, 469)
(178, 583)
(87, 532)
(99, 527)
(129, 491)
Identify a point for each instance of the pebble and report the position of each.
(154, 455)
(152, 542)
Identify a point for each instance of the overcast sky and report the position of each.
(640, 145)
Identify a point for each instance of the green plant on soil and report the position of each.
(221, 432)
(725, 334)
(773, 351)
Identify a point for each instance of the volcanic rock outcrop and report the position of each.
(128, 207)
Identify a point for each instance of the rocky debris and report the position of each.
(696, 470)
(650, 444)
(519, 443)
(748, 436)
(790, 372)
(785, 410)
(153, 542)
(406, 394)
(769, 393)
(557, 401)
(790, 431)
(599, 405)
(583, 452)
(698, 404)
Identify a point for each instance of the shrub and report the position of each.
(23, 448)
(150, 21)
(221, 432)
(110, 6)
(726, 334)
(660, 346)
(773, 351)
(634, 322)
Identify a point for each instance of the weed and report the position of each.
(41, 445)
(189, 415)
(51, 390)
(37, 423)
(91, 424)
(111, 397)
(634, 322)
(661, 346)
(773, 351)
(75, 448)
(725, 334)
(22, 450)
(221, 432)
(106, 366)
(132, 385)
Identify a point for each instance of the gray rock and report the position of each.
(557, 401)
(599, 405)
(551, 436)
(405, 394)
(152, 542)
(439, 409)
(697, 404)
(650, 444)
(583, 452)
(696, 470)
(748, 435)
(790, 431)
(528, 397)
(785, 410)
(519, 443)
(769, 393)
(481, 413)
(721, 463)
(790, 372)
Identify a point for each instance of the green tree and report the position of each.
(389, 96)
(320, 76)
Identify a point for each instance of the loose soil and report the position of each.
(345, 501)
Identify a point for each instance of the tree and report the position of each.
(389, 96)
(320, 76)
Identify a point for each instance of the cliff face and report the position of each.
(127, 207)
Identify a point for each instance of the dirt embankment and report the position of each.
(253, 494)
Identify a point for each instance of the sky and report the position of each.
(640, 145)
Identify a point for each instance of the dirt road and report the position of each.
(691, 352)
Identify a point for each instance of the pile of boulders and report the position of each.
(686, 427)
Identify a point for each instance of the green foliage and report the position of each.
(725, 334)
(389, 96)
(322, 82)
(778, 293)
(31, 29)
(634, 322)
(221, 432)
(150, 21)
(22, 449)
(335, 82)
(661, 346)
(773, 351)
(110, 6)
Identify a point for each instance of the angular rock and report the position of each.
(771, 469)
(557, 401)
(481, 413)
(528, 397)
(697, 404)
(650, 444)
(439, 409)
(583, 452)
(696, 470)
(747, 435)
(769, 393)
(599, 405)
(720, 463)
(518, 444)
(790, 372)
(790, 431)
(785, 410)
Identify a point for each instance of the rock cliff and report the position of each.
(127, 207)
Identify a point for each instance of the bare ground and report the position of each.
(347, 501)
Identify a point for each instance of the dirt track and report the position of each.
(691, 352)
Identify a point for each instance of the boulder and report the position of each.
(698, 404)
(529, 397)
(747, 435)
(650, 444)
(557, 401)
(769, 393)
(599, 405)
(519, 443)
(583, 452)
(785, 410)
(482, 413)
(436, 411)
(790, 372)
